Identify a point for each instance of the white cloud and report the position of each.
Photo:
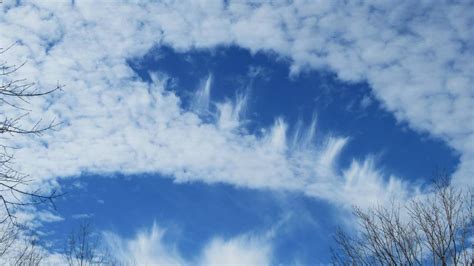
(149, 248)
(202, 97)
(242, 250)
(32, 218)
(82, 216)
(415, 57)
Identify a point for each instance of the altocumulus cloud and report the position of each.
(417, 58)
(115, 122)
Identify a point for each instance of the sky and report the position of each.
(237, 132)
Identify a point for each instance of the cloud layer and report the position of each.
(115, 122)
(415, 57)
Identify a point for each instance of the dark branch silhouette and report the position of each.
(432, 229)
(83, 248)
(16, 189)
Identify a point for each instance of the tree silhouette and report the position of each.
(431, 229)
(16, 191)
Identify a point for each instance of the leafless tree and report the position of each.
(8, 236)
(28, 252)
(431, 229)
(15, 188)
(19, 246)
(83, 248)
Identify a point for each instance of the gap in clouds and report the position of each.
(341, 108)
(193, 214)
(257, 27)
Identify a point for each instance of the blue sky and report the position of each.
(219, 133)
(194, 213)
(345, 109)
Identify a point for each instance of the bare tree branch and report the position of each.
(435, 231)
(16, 188)
(83, 248)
